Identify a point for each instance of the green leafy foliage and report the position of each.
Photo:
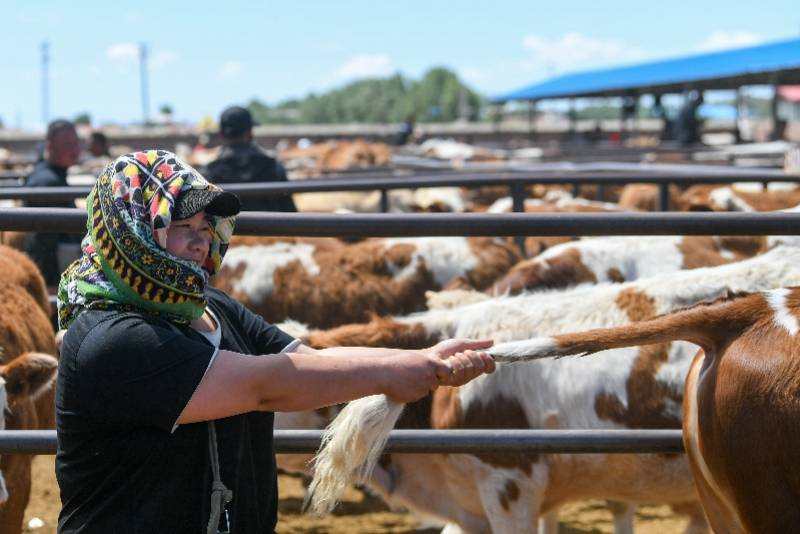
(438, 97)
(82, 118)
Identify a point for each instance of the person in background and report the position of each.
(98, 145)
(687, 125)
(241, 161)
(53, 252)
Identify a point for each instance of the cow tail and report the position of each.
(706, 325)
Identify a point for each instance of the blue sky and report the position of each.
(204, 58)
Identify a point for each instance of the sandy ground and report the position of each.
(362, 514)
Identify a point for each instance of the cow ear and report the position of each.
(29, 374)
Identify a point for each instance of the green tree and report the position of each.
(82, 118)
(438, 96)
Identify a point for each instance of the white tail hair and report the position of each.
(354, 440)
(350, 449)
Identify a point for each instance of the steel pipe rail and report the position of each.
(372, 183)
(68, 220)
(435, 441)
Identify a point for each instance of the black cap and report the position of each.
(214, 202)
(235, 121)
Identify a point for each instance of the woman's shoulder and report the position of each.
(222, 300)
(113, 328)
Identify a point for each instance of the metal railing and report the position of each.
(514, 180)
(434, 441)
(73, 220)
(451, 441)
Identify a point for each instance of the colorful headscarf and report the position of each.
(125, 264)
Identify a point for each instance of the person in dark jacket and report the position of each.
(52, 252)
(687, 125)
(166, 386)
(241, 161)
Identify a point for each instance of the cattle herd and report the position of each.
(652, 300)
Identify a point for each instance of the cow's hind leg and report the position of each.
(623, 516)
(509, 506)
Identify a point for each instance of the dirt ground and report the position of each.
(360, 513)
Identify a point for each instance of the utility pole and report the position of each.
(45, 83)
(143, 80)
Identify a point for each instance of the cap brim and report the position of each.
(214, 202)
(224, 204)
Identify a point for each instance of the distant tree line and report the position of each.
(438, 97)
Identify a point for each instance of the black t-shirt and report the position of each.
(245, 162)
(123, 380)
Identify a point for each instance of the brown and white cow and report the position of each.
(24, 327)
(633, 389)
(381, 276)
(741, 410)
(737, 197)
(555, 201)
(622, 259)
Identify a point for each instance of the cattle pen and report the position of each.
(451, 224)
(516, 179)
(664, 441)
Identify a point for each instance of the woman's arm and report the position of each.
(237, 383)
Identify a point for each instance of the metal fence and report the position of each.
(517, 224)
(435, 441)
(73, 220)
(515, 180)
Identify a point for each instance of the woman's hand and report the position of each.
(464, 359)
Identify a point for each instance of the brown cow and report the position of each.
(741, 413)
(24, 327)
(337, 155)
(22, 380)
(645, 197)
(18, 268)
(381, 276)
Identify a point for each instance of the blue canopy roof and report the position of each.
(764, 64)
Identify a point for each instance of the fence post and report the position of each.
(663, 196)
(384, 201)
(518, 195)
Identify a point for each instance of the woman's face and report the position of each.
(190, 238)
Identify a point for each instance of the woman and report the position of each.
(162, 396)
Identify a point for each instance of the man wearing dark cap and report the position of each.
(240, 160)
(52, 252)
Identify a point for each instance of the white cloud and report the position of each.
(162, 58)
(573, 51)
(231, 70)
(721, 40)
(123, 52)
(365, 66)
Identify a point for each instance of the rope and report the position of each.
(220, 494)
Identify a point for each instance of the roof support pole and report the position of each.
(737, 133)
(572, 120)
(777, 130)
(532, 120)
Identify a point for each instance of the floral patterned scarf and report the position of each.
(125, 264)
